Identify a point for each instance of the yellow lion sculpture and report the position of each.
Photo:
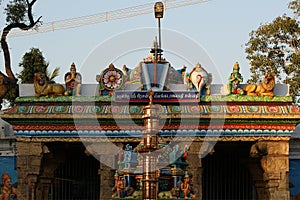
(263, 89)
(43, 88)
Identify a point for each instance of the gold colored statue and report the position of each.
(43, 88)
(263, 89)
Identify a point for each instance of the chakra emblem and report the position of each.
(112, 78)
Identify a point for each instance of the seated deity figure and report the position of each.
(235, 79)
(73, 82)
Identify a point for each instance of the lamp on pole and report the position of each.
(159, 13)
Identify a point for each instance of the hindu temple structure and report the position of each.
(153, 132)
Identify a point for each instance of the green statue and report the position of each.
(235, 79)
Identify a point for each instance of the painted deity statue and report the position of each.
(119, 187)
(7, 192)
(185, 187)
(235, 79)
(73, 82)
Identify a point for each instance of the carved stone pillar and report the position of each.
(275, 164)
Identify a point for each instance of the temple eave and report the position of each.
(183, 139)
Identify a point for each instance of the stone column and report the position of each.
(106, 181)
(256, 172)
(51, 161)
(275, 164)
(29, 168)
(198, 150)
(43, 188)
(106, 152)
(195, 168)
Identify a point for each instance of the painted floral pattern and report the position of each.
(112, 79)
(273, 109)
(115, 109)
(78, 109)
(234, 109)
(41, 109)
(295, 109)
(195, 108)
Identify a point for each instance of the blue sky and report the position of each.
(219, 30)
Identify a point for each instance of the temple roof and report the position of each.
(105, 118)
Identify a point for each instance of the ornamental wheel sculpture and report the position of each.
(112, 78)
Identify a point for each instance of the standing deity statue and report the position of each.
(73, 82)
(235, 79)
(185, 187)
(119, 187)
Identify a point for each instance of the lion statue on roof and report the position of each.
(262, 89)
(43, 88)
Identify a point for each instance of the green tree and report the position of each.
(275, 47)
(32, 62)
(18, 15)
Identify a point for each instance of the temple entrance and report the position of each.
(77, 177)
(225, 173)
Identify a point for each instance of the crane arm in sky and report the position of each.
(102, 17)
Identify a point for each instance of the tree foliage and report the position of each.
(18, 15)
(275, 47)
(32, 62)
(15, 12)
(295, 6)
